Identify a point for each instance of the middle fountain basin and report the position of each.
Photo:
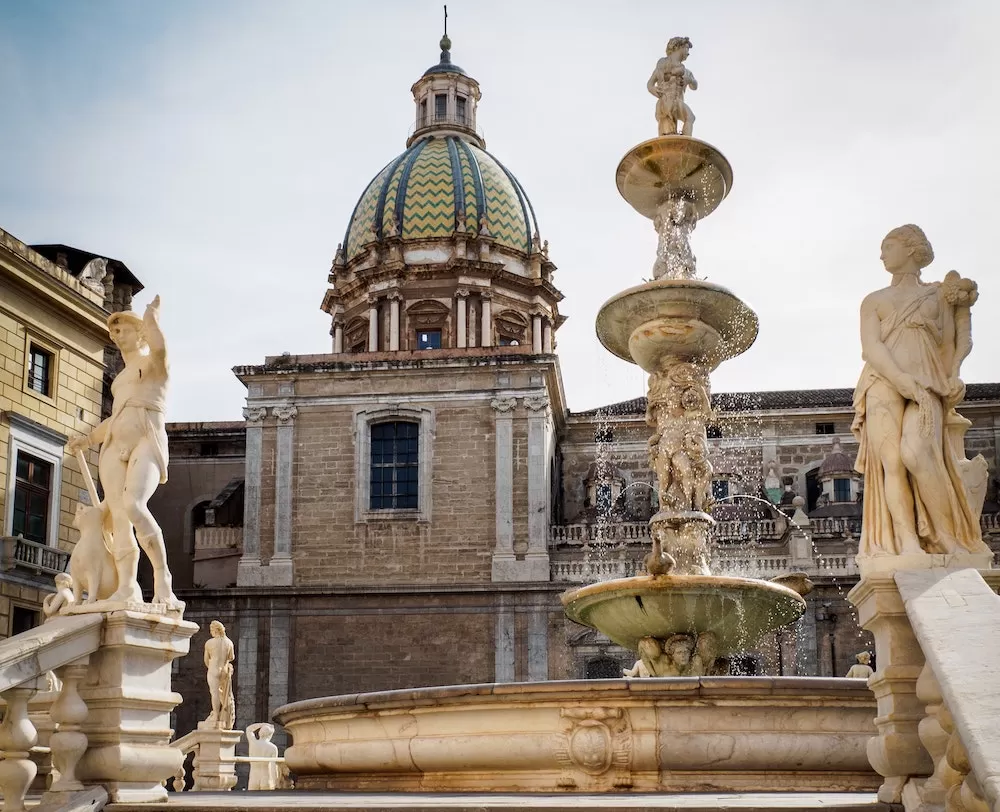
(739, 611)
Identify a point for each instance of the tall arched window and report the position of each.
(394, 465)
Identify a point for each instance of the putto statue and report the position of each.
(921, 494)
(133, 457)
(219, 656)
(669, 82)
(862, 669)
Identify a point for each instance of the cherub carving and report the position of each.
(669, 81)
(61, 599)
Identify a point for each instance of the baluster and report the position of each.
(17, 737)
(69, 711)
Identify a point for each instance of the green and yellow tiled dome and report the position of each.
(427, 189)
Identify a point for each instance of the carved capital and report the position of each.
(285, 414)
(503, 405)
(486, 294)
(537, 403)
(254, 415)
(394, 296)
(373, 301)
(461, 293)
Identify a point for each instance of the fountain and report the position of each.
(679, 328)
(683, 729)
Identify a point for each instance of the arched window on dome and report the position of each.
(428, 325)
(511, 328)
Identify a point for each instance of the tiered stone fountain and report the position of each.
(691, 732)
(679, 328)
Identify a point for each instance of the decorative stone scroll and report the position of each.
(597, 742)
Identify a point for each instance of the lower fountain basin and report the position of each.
(739, 611)
(685, 734)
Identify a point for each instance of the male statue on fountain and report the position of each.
(133, 456)
(669, 82)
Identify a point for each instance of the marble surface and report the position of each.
(475, 802)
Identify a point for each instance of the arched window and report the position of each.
(394, 465)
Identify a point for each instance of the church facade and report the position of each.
(406, 509)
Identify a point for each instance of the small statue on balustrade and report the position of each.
(219, 656)
(61, 599)
(862, 668)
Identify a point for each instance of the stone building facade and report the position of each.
(407, 509)
(53, 357)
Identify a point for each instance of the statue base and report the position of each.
(215, 757)
(128, 724)
(107, 606)
(885, 565)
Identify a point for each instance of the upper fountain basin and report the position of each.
(677, 319)
(737, 610)
(674, 166)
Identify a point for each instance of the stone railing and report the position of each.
(739, 563)
(64, 646)
(116, 728)
(578, 534)
(218, 538)
(18, 552)
(833, 526)
(933, 620)
(728, 530)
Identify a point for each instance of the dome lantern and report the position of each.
(445, 98)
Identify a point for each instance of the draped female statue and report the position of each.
(921, 494)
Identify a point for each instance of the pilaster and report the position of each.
(280, 565)
(503, 553)
(248, 569)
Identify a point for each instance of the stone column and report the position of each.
(461, 328)
(394, 300)
(373, 325)
(538, 642)
(536, 333)
(547, 337)
(338, 337)
(503, 553)
(536, 561)
(248, 569)
(280, 565)
(128, 724)
(487, 324)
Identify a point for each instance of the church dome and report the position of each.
(440, 185)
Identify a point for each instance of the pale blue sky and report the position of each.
(219, 147)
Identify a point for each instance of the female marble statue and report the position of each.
(914, 337)
(133, 456)
(219, 656)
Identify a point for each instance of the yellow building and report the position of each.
(53, 343)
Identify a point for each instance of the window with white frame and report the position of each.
(34, 480)
(393, 453)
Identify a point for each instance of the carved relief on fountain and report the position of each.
(597, 742)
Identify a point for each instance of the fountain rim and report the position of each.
(618, 688)
(667, 582)
(678, 143)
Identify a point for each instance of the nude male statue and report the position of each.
(669, 81)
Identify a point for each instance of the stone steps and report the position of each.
(477, 802)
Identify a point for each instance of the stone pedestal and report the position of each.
(128, 695)
(896, 752)
(215, 757)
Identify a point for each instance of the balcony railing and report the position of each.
(40, 558)
(457, 121)
(218, 538)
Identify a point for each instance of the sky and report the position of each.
(219, 148)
